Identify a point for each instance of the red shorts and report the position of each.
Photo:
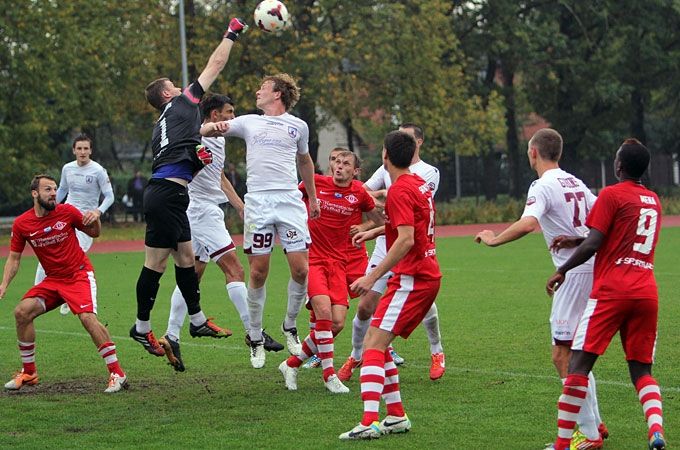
(79, 292)
(356, 268)
(328, 279)
(635, 320)
(405, 303)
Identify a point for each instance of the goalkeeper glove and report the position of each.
(236, 27)
(204, 154)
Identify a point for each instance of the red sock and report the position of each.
(391, 395)
(650, 398)
(108, 351)
(324, 341)
(308, 349)
(568, 406)
(372, 380)
(27, 352)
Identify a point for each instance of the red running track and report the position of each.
(442, 231)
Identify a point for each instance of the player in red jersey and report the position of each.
(411, 256)
(624, 229)
(340, 198)
(51, 230)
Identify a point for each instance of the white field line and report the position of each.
(218, 344)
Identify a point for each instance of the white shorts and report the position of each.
(209, 236)
(275, 212)
(379, 252)
(568, 305)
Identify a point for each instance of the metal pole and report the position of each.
(183, 44)
(458, 188)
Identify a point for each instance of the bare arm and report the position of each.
(375, 218)
(11, 269)
(231, 194)
(583, 253)
(398, 250)
(306, 169)
(521, 228)
(94, 228)
(216, 62)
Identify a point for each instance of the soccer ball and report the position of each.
(271, 16)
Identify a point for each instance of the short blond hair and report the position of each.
(286, 85)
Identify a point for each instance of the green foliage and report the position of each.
(471, 210)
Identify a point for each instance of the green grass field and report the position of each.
(500, 390)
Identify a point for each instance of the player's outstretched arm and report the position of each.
(563, 241)
(306, 168)
(521, 228)
(220, 56)
(11, 269)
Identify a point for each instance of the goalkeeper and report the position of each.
(177, 157)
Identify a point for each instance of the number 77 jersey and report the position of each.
(629, 216)
(560, 202)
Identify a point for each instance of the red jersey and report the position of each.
(338, 206)
(410, 203)
(629, 216)
(53, 239)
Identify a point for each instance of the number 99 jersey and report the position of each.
(560, 202)
(629, 216)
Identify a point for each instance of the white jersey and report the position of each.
(272, 144)
(207, 184)
(381, 180)
(560, 202)
(84, 185)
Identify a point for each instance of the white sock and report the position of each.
(142, 326)
(198, 319)
(431, 324)
(178, 311)
(256, 299)
(592, 398)
(39, 274)
(238, 294)
(296, 297)
(359, 329)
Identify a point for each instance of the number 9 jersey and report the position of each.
(629, 216)
(560, 202)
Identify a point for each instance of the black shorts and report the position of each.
(165, 212)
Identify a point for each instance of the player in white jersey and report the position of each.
(378, 184)
(559, 202)
(209, 236)
(275, 142)
(84, 181)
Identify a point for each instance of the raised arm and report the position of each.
(220, 56)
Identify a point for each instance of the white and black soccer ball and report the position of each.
(271, 16)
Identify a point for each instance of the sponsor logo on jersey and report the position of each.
(59, 225)
(291, 234)
(431, 185)
(34, 233)
(47, 229)
(292, 132)
(89, 179)
(338, 195)
(531, 201)
(351, 198)
(635, 262)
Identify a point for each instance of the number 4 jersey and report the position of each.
(560, 202)
(629, 216)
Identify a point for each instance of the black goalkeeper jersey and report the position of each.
(177, 131)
